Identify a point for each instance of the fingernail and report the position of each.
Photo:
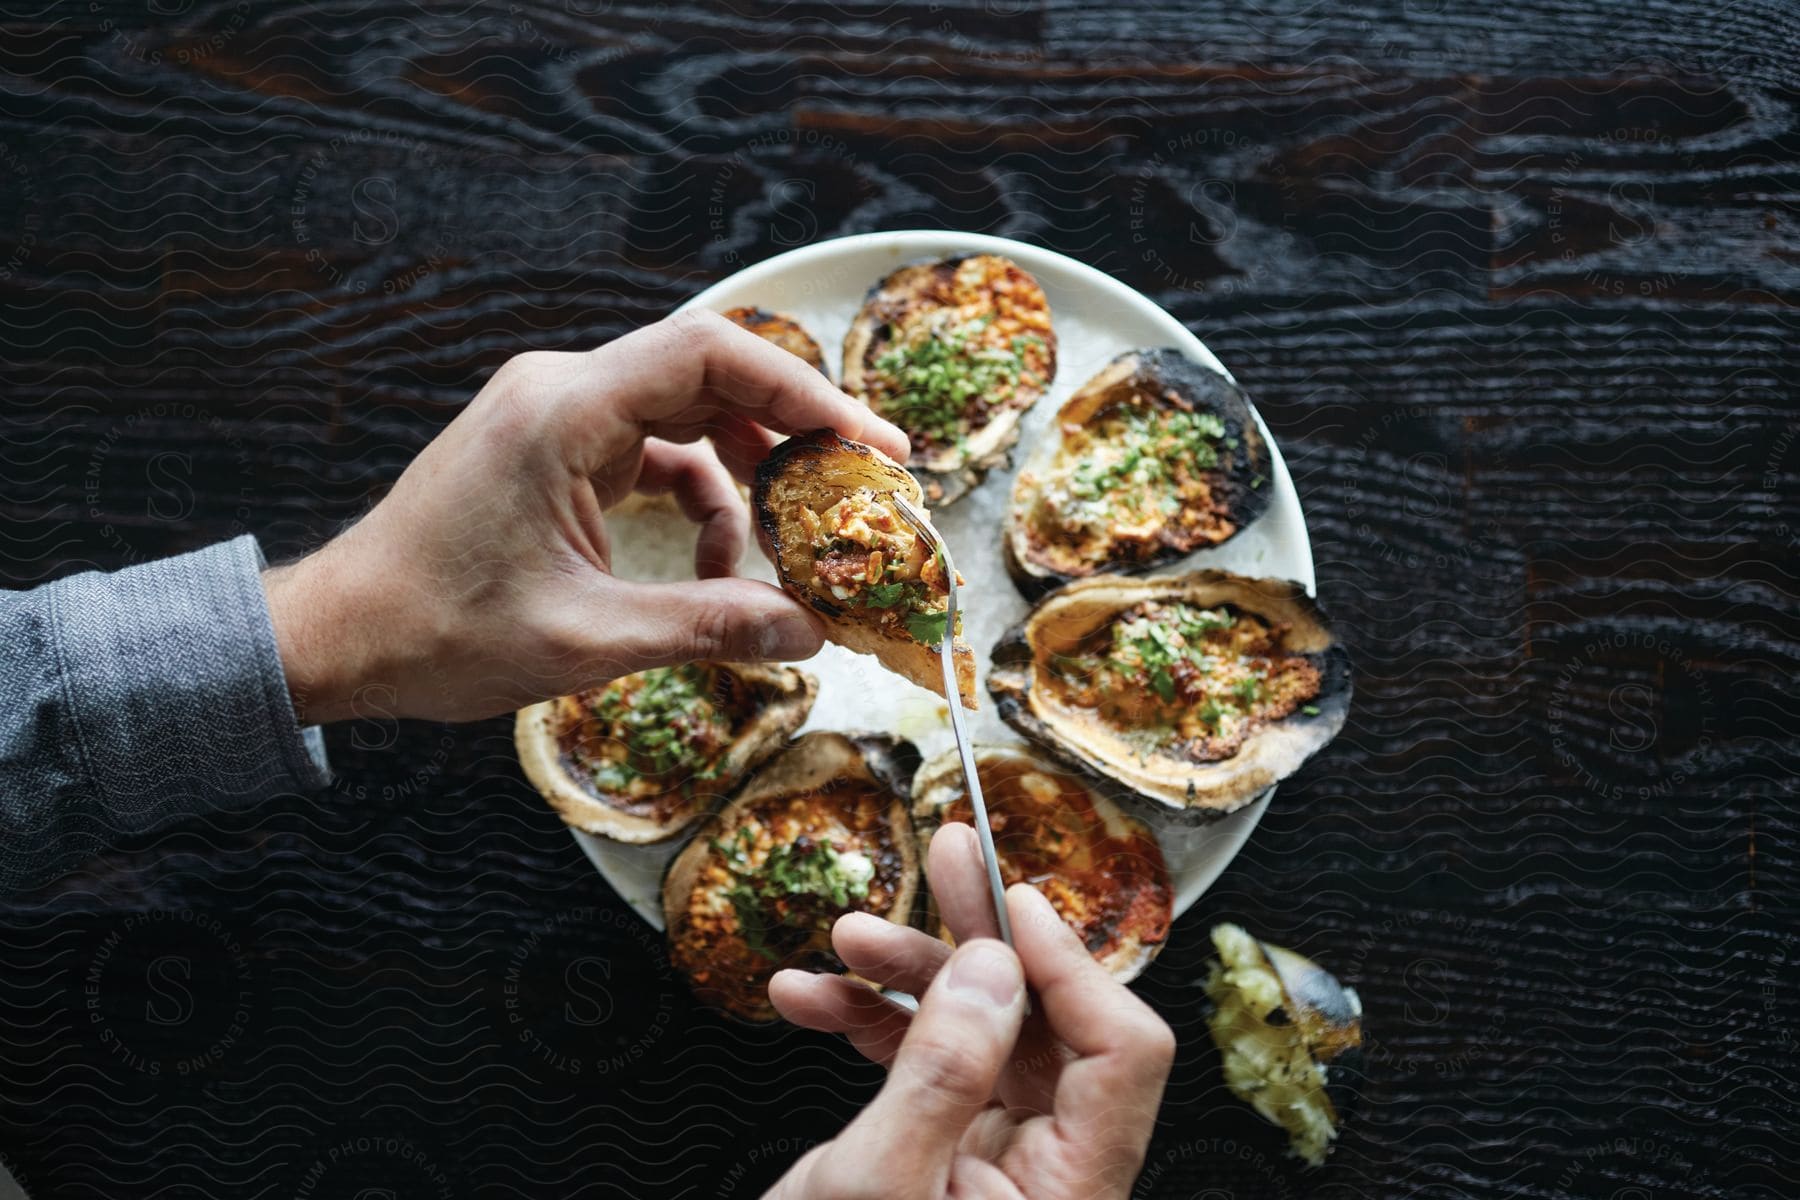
(985, 971)
(787, 637)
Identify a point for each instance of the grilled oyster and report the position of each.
(953, 352)
(1157, 457)
(1197, 691)
(1102, 870)
(782, 330)
(824, 518)
(1290, 1036)
(642, 758)
(820, 831)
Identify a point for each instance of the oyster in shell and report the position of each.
(782, 330)
(954, 352)
(642, 758)
(1153, 458)
(826, 519)
(1196, 692)
(1102, 870)
(822, 830)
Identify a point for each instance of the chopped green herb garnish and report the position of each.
(1158, 643)
(817, 869)
(928, 627)
(885, 595)
(1196, 623)
(1152, 444)
(939, 375)
(1311, 710)
(1163, 683)
(613, 776)
(750, 920)
(800, 869)
(657, 716)
(1162, 648)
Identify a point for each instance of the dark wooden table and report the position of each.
(1515, 291)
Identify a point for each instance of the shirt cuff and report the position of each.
(173, 676)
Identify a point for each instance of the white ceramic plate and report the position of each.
(1096, 317)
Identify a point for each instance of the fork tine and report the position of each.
(935, 540)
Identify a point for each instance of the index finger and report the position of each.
(959, 883)
(682, 377)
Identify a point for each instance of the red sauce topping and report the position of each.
(1047, 833)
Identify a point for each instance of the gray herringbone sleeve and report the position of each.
(132, 697)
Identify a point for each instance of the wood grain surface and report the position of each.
(1514, 287)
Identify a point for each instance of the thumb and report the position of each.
(644, 625)
(944, 1074)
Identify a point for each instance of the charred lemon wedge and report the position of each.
(1289, 1034)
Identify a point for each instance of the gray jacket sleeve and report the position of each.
(132, 697)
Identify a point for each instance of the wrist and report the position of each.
(320, 650)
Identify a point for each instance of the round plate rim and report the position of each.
(1230, 832)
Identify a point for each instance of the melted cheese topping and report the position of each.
(961, 346)
(1194, 683)
(1141, 477)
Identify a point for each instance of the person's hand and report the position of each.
(981, 1101)
(482, 581)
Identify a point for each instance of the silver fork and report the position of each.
(953, 695)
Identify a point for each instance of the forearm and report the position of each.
(480, 583)
(132, 697)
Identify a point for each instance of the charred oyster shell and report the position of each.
(814, 472)
(928, 329)
(821, 830)
(1161, 768)
(781, 330)
(1153, 458)
(562, 743)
